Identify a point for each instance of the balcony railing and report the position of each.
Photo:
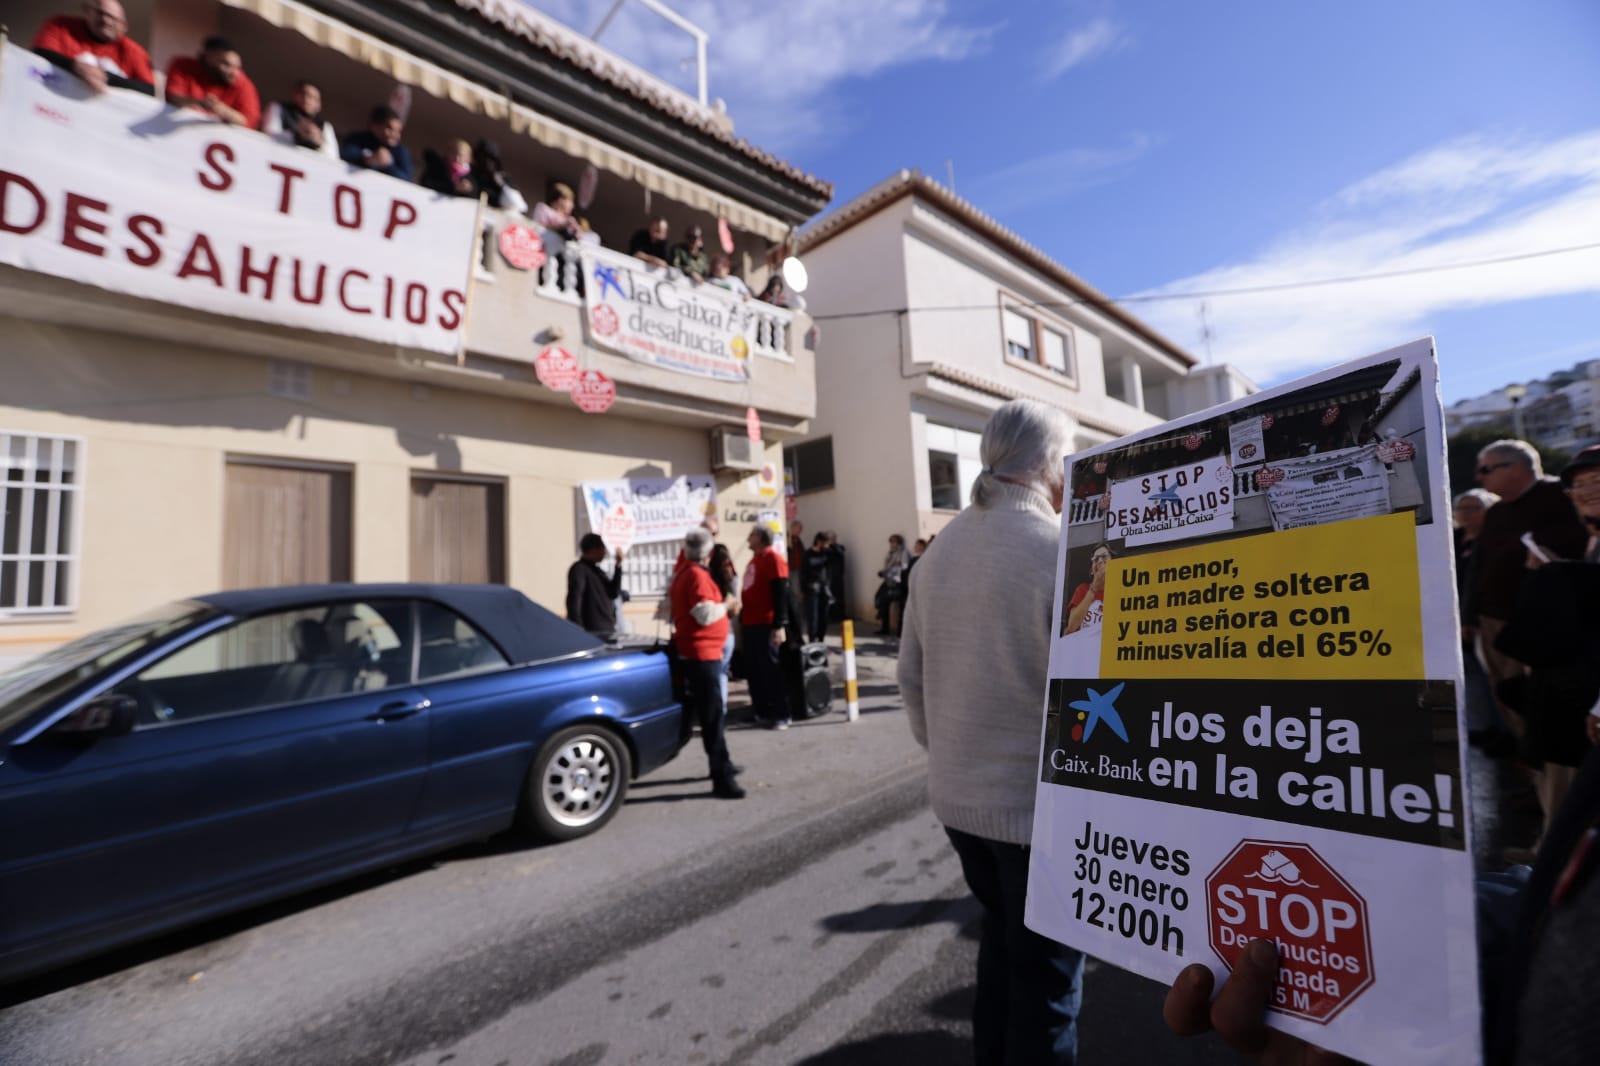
(560, 278)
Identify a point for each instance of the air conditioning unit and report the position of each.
(732, 449)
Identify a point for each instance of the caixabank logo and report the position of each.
(1097, 709)
(1085, 735)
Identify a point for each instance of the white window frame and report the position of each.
(67, 544)
(1039, 323)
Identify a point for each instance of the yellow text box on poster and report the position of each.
(1340, 601)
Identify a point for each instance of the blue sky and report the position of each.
(1167, 147)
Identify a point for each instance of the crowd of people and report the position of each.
(706, 597)
(95, 48)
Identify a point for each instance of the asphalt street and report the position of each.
(822, 920)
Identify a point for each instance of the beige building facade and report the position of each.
(149, 450)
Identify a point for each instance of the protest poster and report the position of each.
(648, 510)
(1251, 726)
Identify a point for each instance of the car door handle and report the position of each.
(391, 712)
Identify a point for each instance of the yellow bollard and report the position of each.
(852, 699)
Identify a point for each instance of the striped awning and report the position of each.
(436, 81)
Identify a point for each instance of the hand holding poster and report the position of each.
(1259, 738)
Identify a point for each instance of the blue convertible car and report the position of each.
(231, 748)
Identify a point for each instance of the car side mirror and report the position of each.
(110, 715)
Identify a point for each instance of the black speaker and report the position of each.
(810, 687)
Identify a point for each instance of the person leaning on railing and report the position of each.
(215, 83)
(97, 49)
(298, 121)
(378, 146)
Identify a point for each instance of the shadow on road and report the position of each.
(931, 1048)
(886, 917)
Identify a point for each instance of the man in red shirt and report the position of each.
(97, 49)
(700, 625)
(215, 83)
(763, 617)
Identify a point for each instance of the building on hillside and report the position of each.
(931, 315)
(236, 362)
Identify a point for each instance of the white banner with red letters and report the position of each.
(125, 193)
(658, 316)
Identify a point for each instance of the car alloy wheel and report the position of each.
(578, 782)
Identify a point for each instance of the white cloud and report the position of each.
(1055, 174)
(776, 64)
(1083, 44)
(1463, 201)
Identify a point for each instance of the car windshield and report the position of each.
(32, 684)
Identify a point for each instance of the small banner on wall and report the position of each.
(125, 193)
(652, 316)
(649, 510)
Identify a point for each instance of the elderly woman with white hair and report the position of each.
(974, 657)
(700, 626)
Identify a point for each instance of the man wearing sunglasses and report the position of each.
(1530, 503)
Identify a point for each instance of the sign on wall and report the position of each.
(656, 317)
(124, 193)
(1173, 503)
(1259, 736)
(648, 510)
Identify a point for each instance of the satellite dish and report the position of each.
(725, 235)
(587, 185)
(794, 275)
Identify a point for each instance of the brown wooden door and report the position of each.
(457, 531)
(285, 525)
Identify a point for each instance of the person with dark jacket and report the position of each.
(815, 566)
(378, 146)
(591, 595)
(763, 618)
(451, 174)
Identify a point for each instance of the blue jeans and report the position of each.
(767, 697)
(727, 657)
(1029, 987)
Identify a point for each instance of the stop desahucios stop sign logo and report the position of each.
(1286, 893)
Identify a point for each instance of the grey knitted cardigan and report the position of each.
(973, 659)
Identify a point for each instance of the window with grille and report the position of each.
(40, 482)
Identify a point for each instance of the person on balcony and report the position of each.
(491, 177)
(555, 213)
(778, 294)
(690, 256)
(650, 245)
(298, 121)
(97, 49)
(722, 276)
(378, 146)
(215, 82)
(450, 175)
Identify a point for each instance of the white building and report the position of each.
(932, 315)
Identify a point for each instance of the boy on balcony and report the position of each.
(97, 49)
(215, 82)
(378, 146)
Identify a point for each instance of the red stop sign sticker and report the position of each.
(1286, 893)
(521, 247)
(556, 369)
(594, 392)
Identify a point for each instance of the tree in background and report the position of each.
(1465, 446)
